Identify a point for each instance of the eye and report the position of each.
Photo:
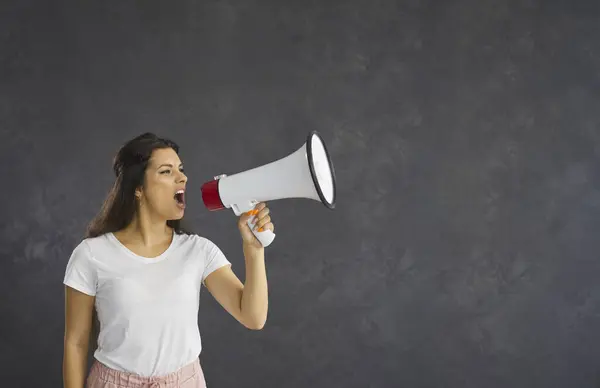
(165, 171)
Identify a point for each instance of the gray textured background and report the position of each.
(466, 139)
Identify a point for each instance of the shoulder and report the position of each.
(200, 246)
(196, 242)
(82, 249)
(93, 250)
(81, 269)
(93, 245)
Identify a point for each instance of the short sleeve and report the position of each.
(81, 272)
(214, 259)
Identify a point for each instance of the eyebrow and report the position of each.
(168, 165)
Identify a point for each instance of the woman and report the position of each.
(141, 272)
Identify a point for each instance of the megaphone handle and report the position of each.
(265, 237)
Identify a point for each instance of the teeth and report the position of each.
(179, 192)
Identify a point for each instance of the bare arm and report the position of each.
(78, 323)
(248, 302)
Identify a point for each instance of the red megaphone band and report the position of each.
(210, 195)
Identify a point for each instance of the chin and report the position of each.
(175, 216)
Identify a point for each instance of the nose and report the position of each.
(182, 177)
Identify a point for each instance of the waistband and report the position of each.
(128, 379)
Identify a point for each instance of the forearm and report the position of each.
(74, 365)
(254, 304)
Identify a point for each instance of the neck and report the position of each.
(147, 230)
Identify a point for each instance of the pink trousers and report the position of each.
(189, 376)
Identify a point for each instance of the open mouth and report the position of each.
(180, 198)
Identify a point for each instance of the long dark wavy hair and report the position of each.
(119, 207)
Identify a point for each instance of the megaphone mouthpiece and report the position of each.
(210, 195)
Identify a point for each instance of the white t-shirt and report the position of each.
(147, 307)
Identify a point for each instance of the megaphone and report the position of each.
(306, 173)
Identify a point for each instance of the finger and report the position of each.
(260, 206)
(267, 226)
(262, 213)
(260, 223)
(263, 222)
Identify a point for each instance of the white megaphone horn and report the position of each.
(306, 173)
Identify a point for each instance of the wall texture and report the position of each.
(465, 134)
